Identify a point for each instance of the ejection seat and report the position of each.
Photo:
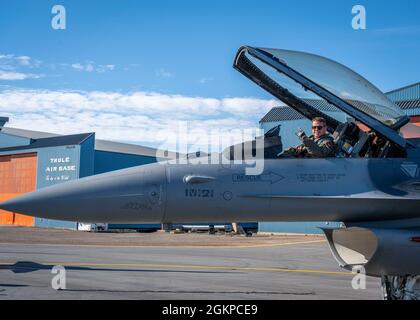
(349, 140)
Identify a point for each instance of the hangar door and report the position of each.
(17, 176)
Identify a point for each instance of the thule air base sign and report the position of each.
(410, 169)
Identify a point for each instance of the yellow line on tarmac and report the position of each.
(276, 244)
(235, 268)
(153, 246)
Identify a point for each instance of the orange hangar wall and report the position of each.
(17, 176)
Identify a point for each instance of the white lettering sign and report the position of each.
(60, 160)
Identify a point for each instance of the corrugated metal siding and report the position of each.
(411, 92)
(409, 104)
(412, 112)
(17, 176)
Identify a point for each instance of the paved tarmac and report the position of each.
(289, 270)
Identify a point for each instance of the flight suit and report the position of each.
(323, 147)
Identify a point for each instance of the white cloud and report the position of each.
(6, 56)
(11, 75)
(91, 67)
(5, 75)
(20, 61)
(103, 68)
(77, 66)
(139, 117)
(24, 60)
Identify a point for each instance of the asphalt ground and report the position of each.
(171, 266)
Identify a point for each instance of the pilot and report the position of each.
(319, 145)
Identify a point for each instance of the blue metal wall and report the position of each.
(87, 154)
(295, 227)
(8, 140)
(106, 161)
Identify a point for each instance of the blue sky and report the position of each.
(186, 48)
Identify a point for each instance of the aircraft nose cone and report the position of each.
(14, 205)
(129, 195)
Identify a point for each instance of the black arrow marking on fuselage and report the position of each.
(271, 177)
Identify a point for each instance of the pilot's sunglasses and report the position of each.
(317, 127)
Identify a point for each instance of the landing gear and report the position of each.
(401, 287)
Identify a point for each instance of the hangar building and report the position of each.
(407, 98)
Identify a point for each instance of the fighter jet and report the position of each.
(372, 185)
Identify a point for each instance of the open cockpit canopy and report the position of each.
(314, 85)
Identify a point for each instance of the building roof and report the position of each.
(322, 105)
(74, 139)
(118, 147)
(404, 88)
(101, 145)
(281, 114)
(410, 92)
(285, 113)
(27, 133)
(409, 104)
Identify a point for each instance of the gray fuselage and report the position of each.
(331, 189)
